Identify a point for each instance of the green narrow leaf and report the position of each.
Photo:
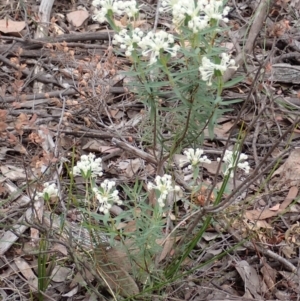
(233, 82)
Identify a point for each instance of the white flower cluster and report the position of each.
(88, 167)
(208, 67)
(107, 195)
(151, 44)
(198, 12)
(50, 191)
(195, 157)
(154, 43)
(164, 187)
(231, 160)
(116, 7)
(128, 40)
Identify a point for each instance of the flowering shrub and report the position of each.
(197, 14)
(179, 78)
(190, 62)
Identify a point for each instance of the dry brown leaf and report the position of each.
(212, 167)
(288, 251)
(3, 126)
(133, 167)
(77, 17)
(3, 191)
(138, 23)
(267, 213)
(10, 26)
(123, 22)
(168, 245)
(130, 227)
(12, 172)
(60, 273)
(292, 280)
(258, 225)
(269, 276)
(292, 235)
(59, 248)
(27, 272)
(72, 292)
(279, 28)
(289, 171)
(117, 278)
(79, 279)
(275, 208)
(295, 3)
(120, 257)
(3, 114)
(252, 283)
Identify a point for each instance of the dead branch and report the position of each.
(259, 18)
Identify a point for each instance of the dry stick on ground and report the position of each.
(47, 95)
(255, 29)
(41, 32)
(33, 47)
(95, 134)
(46, 80)
(37, 96)
(147, 157)
(68, 38)
(133, 150)
(258, 248)
(40, 78)
(156, 15)
(255, 138)
(44, 52)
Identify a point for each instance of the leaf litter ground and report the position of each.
(84, 105)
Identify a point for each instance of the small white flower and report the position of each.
(88, 166)
(231, 160)
(208, 68)
(107, 195)
(106, 5)
(99, 16)
(116, 7)
(195, 157)
(154, 43)
(164, 186)
(213, 10)
(199, 13)
(128, 40)
(130, 8)
(198, 23)
(50, 191)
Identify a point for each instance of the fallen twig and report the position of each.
(257, 23)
